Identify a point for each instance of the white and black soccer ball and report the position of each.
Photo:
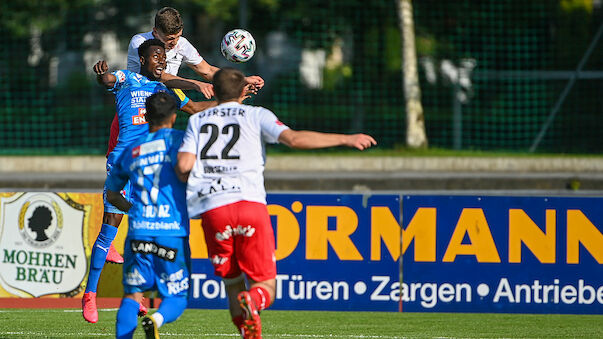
(238, 45)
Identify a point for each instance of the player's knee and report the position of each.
(113, 219)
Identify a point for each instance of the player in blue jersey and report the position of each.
(156, 250)
(131, 90)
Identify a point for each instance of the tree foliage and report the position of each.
(19, 16)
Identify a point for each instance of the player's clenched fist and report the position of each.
(101, 67)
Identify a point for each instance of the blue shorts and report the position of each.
(159, 263)
(125, 192)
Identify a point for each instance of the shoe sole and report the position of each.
(90, 321)
(150, 328)
(244, 303)
(114, 262)
(245, 306)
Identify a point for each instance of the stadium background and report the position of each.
(497, 67)
(500, 65)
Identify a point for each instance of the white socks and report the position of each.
(158, 319)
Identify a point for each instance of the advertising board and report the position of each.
(502, 254)
(348, 252)
(333, 251)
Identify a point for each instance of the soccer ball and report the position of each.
(238, 45)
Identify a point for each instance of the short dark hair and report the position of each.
(160, 107)
(168, 20)
(143, 49)
(229, 83)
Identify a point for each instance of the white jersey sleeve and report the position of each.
(270, 125)
(133, 58)
(189, 53)
(191, 137)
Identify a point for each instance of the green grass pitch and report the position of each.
(68, 323)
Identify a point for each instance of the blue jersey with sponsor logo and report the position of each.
(131, 92)
(158, 197)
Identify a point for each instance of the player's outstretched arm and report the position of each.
(193, 107)
(117, 200)
(173, 81)
(314, 140)
(207, 71)
(186, 161)
(103, 76)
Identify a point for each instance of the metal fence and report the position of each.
(495, 75)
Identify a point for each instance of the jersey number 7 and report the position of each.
(153, 170)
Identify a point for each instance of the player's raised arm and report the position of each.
(174, 81)
(207, 71)
(103, 76)
(193, 107)
(313, 140)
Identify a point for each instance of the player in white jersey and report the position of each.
(223, 156)
(168, 28)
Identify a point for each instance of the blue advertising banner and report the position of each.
(502, 254)
(333, 251)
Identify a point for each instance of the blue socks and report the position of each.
(172, 308)
(127, 318)
(99, 254)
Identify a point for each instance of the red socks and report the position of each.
(260, 297)
(261, 300)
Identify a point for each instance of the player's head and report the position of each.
(161, 110)
(152, 58)
(229, 84)
(168, 26)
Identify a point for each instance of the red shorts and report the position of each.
(239, 239)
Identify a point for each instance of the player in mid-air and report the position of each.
(131, 90)
(222, 156)
(168, 28)
(156, 251)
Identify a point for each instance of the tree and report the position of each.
(415, 120)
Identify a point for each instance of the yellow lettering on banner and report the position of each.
(581, 231)
(287, 231)
(523, 229)
(422, 229)
(384, 227)
(197, 240)
(318, 236)
(473, 223)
